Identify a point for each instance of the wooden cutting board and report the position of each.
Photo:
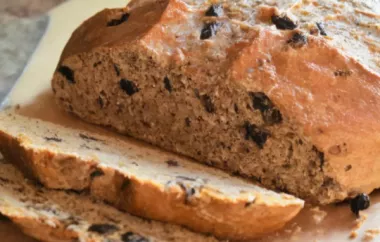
(34, 95)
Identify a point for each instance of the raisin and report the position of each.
(283, 22)
(72, 220)
(97, 173)
(5, 180)
(115, 22)
(117, 69)
(236, 108)
(360, 202)
(207, 102)
(321, 157)
(128, 87)
(87, 137)
(168, 85)
(97, 63)
(172, 163)
(249, 203)
(53, 139)
(196, 93)
(188, 121)
(256, 134)
(209, 30)
(4, 218)
(215, 10)
(348, 167)
(84, 146)
(126, 183)
(328, 182)
(189, 192)
(37, 184)
(67, 73)
(261, 101)
(270, 114)
(185, 178)
(343, 73)
(100, 102)
(132, 237)
(298, 40)
(103, 228)
(78, 192)
(321, 29)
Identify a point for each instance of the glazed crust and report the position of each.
(209, 212)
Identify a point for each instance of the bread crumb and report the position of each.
(353, 234)
(359, 221)
(370, 234)
(318, 215)
(357, 224)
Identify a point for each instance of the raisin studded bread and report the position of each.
(67, 216)
(282, 92)
(144, 181)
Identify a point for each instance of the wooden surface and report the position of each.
(33, 93)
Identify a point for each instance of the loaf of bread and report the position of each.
(144, 180)
(282, 92)
(59, 216)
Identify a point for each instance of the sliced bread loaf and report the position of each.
(63, 216)
(284, 92)
(143, 180)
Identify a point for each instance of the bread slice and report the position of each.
(284, 92)
(62, 216)
(144, 181)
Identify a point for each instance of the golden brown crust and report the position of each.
(85, 39)
(210, 212)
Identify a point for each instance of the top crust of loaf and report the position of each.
(324, 76)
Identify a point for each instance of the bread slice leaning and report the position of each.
(144, 181)
(62, 216)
